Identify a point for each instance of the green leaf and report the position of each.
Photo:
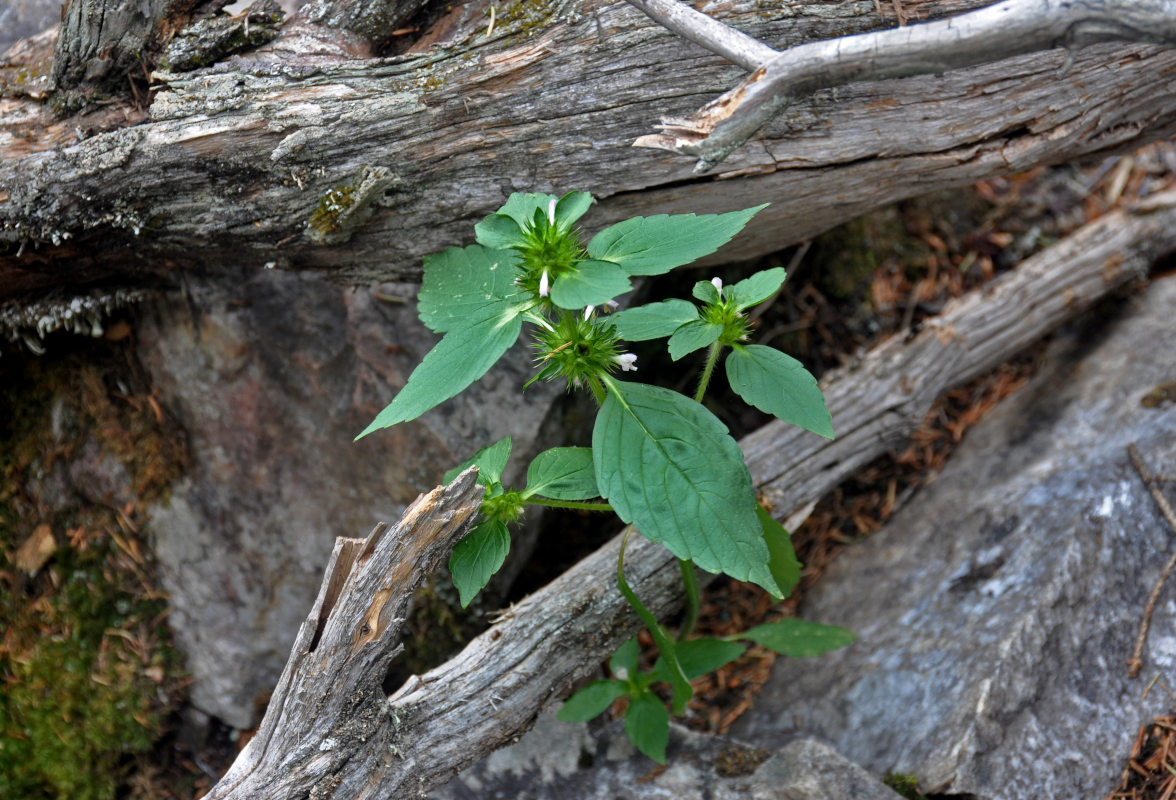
(569, 208)
(623, 663)
(699, 657)
(647, 723)
(477, 557)
(668, 466)
(693, 336)
(591, 283)
(460, 282)
(757, 288)
(779, 385)
(498, 231)
(784, 565)
(591, 701)
(654, 245)
(460, 358)
(653, 321)
(562, 473)
(706, 292)
(490, 461)
(799, 638)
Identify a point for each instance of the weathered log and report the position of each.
(1007, 29)
(319, 740)
(361, 167)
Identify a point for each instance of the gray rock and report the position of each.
(559, 761)
(20, 19)
(996, 613)
(271, 377)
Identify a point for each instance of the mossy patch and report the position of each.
(88, 669)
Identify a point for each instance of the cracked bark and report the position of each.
(301, 156)
(331, 731)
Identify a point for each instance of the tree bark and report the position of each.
(292, 158)
(329, 734)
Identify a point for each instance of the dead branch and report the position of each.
(733, 45)
(320, 740)
(1005, 30)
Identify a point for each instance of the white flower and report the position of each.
(544, 285)
(551, 211)
(718, 284)
(588, 312)
(628, 362)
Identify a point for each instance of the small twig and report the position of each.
(733, 45)
(1136, 661)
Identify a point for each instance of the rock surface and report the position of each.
(558, 761)
(20, 19)
(271, 377)
(996, 613)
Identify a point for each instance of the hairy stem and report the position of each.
(712, 358)
(690, 581)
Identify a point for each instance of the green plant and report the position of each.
(660, 460)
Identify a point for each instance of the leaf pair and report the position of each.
(469, 295)
(638, 246)
(647, 723)
(766, 378)
(561, 473)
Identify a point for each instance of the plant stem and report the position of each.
(597, 390)
(690, 581)
(665, 645)
(537, 501)
(712, 358)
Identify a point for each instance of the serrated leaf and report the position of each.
(498, 231)
(569, 208)
(460, 282)
(706, 292)
(591, 283)
(490, 460)
(562, 473)
(591, 701)
(756, 288)
(668, 466)
(779, 385)
(783, 564)
(653, 321)
(693, 336)
(647, 724)
(799, 638)
(477, 557)
(700, 657)
(463, 356)
(654, 245)
(623, 663)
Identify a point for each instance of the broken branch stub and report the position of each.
(1005, 30)
(327, 723)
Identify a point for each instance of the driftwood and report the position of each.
(1004, 30)
(303, 155)
(331, 731)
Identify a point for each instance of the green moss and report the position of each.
(905, 785)
(528, 17)
(86, 663)
(333, 205)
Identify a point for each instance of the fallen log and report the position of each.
(331, 731)
(303, 155)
